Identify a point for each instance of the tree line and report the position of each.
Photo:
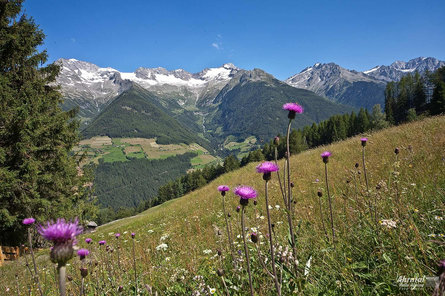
(415, 95)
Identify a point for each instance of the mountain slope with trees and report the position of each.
(134, 114)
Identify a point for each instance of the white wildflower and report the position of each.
(389, 223)
(162, 247)
(208, 251)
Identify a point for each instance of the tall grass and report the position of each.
(402, 234)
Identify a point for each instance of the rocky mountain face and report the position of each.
(359, 89)
(396, 70)
(92, 87)
(250, 104)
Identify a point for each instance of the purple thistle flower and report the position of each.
(61, 231)
(245, 192)
(88, 240)
(82, 253)
(102, 242)
(325, 155)
(133, 234)
(267, 167)
(364, 140)
(117, 235)
(223, 188)
(238, 208)
(28, 221)
(63, 235)
(293, 107)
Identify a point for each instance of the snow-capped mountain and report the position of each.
(339, 84)
(89, 81)
(91, 87)
(396, 70)
(360, 89)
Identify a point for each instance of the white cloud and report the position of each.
(218, 42)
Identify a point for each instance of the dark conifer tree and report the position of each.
(437, 105)
(419, 94)
(38, 176)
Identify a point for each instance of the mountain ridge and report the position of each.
(359, 89)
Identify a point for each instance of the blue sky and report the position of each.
(280, 37)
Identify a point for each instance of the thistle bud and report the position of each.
(267, 176)
(62, 253)
(319, 193)
(220, 272)
(254, 237)
(276, 140)
(120, 289)
(83, 272)
(356, 165)
(238, 208)
(396, 151)
(219, 252)
(229, 215)
(255, 202)
(69, 278)
(292, 184)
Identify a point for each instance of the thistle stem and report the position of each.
(36, 275)
(272, 255)
(81, 287)
(322, 219)
(228, 229)
(135, 274)
(283, 192)
(118, 256)
(289, 195)
(330, 202)
(246, 251)
(364, 170)
(61, 269)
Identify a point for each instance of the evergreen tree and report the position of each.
(377, 118)
(38, 175)
(390, 97)
(231, 163)
(362, 121)
(419, 94)
(437, 105)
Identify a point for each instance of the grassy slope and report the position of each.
(190, 221)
